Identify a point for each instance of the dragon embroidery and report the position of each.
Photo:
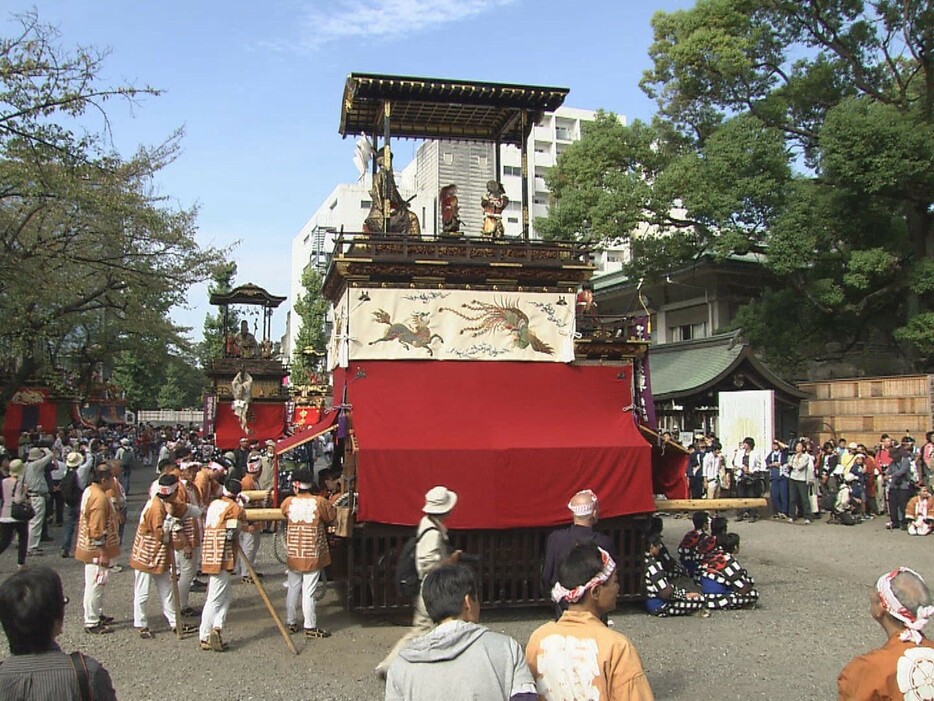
(504, 316)
(419, 336)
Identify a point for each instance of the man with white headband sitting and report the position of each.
(585, 510)
(577, 658)
(903, 668)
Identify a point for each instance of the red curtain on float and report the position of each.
(668, 473)
(514, 440)
(28, 409)
(266, 421)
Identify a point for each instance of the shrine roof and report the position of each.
(247, 294)
(441, 108)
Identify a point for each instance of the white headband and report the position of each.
(228, 494)
(572, 596)
(168, 489)
(583, 509)
(303, 485)
(913, 622)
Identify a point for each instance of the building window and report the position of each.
(333, 205)
(512, 220)
(483, 161)
(448, 158)
(512, 170)
(685, 332)
(366, 204)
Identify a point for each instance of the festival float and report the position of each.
(248, 397)
(469, 359)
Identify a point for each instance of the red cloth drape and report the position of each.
(266, 421)
(668, 473)
(25, 417)
(514, 440)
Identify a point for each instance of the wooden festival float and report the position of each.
(465, 360)
(248, 398)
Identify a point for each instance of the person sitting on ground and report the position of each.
(920, 512)
(671, 566)
(687, 550)
(661, 598)
(578, 651)
(719, 526)
(900, 669)
(32, 611)
(724, 582)
(486, 665)
(846, 504)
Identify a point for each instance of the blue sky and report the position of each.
(257, 89)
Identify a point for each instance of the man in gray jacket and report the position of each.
(37, 488)
(459, 659)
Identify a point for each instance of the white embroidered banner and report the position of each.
(397, 324)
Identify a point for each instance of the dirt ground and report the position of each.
(813, 617)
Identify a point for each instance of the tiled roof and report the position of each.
(685, 368)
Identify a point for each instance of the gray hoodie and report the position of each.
(460, 661)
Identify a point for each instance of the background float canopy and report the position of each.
(438, 108)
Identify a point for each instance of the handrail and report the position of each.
(457, 249)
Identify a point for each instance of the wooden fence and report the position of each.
(862, 409)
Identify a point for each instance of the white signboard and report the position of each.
(749, 413)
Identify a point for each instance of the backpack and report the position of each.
(408, 583)
(71, 490)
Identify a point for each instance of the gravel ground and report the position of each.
(813, 617)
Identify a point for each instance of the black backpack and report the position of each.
(71, 491)
(408, 583)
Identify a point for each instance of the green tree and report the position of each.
(311, 342)
(802, 128)
(212, 345)
(98, 255)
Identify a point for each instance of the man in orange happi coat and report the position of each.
(903, 668)
(249, 538)
(159, 529)
(225, 518)
(98, 543)
(306, 541)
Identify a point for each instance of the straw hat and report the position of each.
(16, 467)
(74, 459)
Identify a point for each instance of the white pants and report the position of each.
(141, 587)
(215, 608)
(187, 569)
(93, 596)
(304, 583)
(35, 523)
(249, 542)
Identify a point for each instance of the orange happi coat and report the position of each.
(149, 553)
(306, 539)
(97, 522)
(217, 553)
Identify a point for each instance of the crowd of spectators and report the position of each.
(846, 482)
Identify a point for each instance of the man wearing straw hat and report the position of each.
(431, 550)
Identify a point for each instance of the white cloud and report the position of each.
(385, 19)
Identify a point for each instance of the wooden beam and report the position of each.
(708, 504)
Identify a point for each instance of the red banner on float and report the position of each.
(264, 422)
